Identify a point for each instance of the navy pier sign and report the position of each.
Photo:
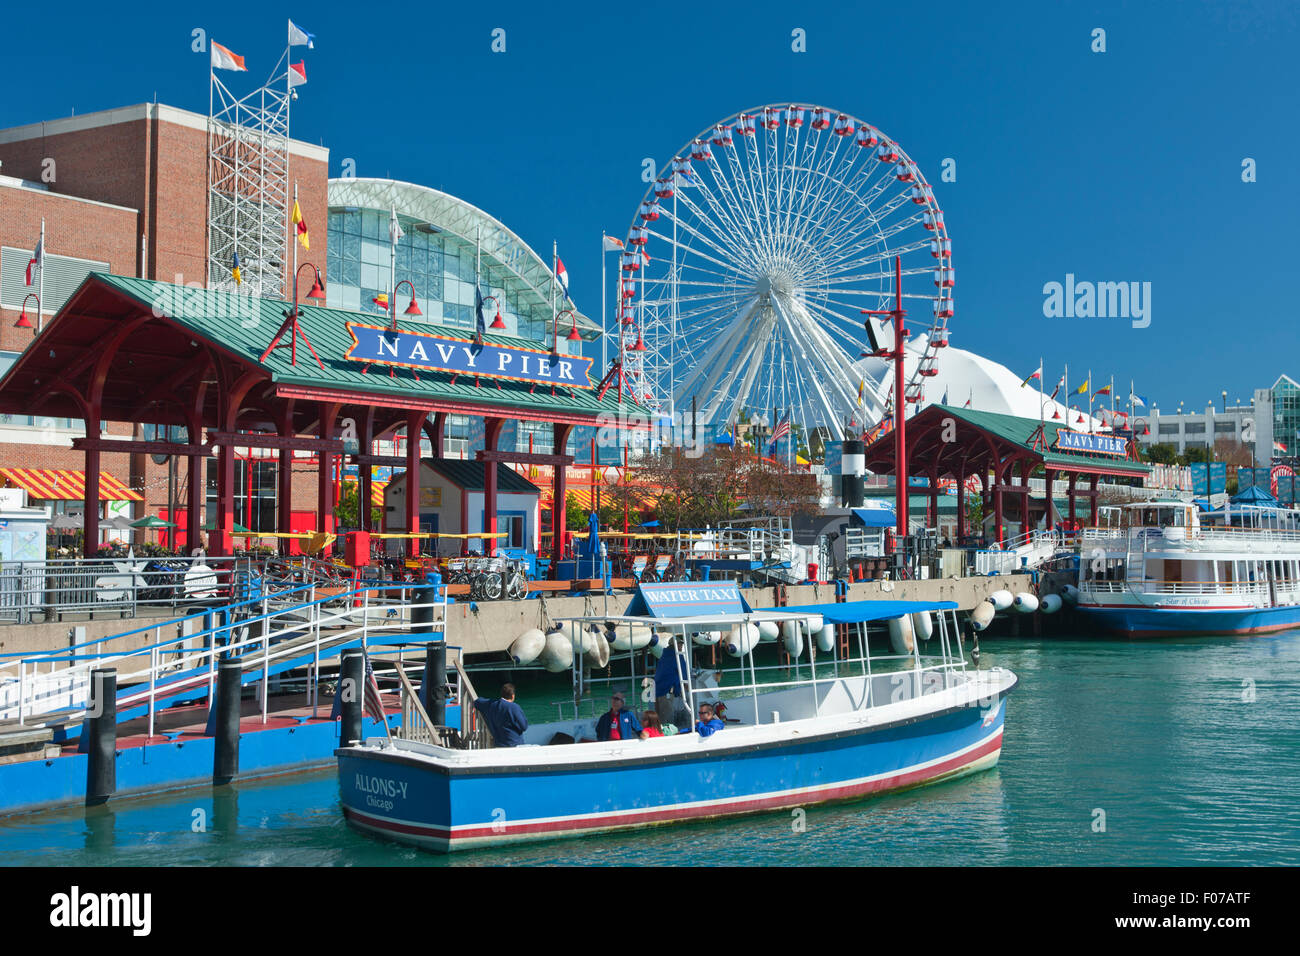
(442, 353)
(1091, 444)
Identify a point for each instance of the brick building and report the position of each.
(122, 191)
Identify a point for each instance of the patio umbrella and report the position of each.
(236, 528)
(119, 523)
(151, 521)
(67, 522)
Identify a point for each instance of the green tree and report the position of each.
(345, 512)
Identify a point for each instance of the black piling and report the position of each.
(225, 753)
(101, 737)
(352, 675)
(433, 690)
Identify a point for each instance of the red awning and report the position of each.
(58, 484)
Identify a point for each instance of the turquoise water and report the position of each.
(1157, 735)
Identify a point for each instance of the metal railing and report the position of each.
(297, 634)
(123, 587)
(1235, 588)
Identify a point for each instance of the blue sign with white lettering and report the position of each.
(440, 353)
(687, 599)
(1091, 444)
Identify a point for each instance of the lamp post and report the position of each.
(23, 322)
(412, 309)
(290, 323)
(573, 336)
(897, 313)
(497, 323)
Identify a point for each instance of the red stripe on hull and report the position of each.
(449, 838)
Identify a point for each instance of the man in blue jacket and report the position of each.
(708, 725)
(619, 723)
(671, 673)
(504, 717)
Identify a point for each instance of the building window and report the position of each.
(1225, 428)
(1168, 429)
(62, 276)
(1195, 428)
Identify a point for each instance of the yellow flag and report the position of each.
(1082, 389)
(297, 213)
(302, 226)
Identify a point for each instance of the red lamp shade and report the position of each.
(23, 322)
(317, 290)
(574, 335)
(640, 344)
(498, 322)
(1056, 415)
(413, 308)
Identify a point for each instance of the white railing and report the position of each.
(34, 686)
(1027, 550)
(1226, 588)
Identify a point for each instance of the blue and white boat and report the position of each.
(865, 725)
(1164, 569)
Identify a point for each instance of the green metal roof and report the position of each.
(244, 325)
(1020, 431)
(469, 475)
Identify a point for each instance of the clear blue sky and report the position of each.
(1123, 165)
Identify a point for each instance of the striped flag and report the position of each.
(224, 59)
(297, 74)
(1104, 390)
(37, 261)
(1035, 374)
(781, 430)
(1059, 385)
(301, 223)
(373, 703)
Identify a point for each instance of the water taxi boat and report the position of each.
(1165, 569)
(848, 725)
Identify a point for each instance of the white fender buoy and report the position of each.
(708, 637)
(1050, 604)
(982, 615)
(826, 638)
(743, 639)
(923, 625)
(1026, 603)
(558, 654)
(811, 625)
(793, 640)
(768, 631)
(598, 656)
(1002, 600)
(631, 639)
(527, 646)
(901, 636)
(1070, 593)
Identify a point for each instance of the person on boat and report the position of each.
(505, 718)
(650, 720)
(708, 724)
(618, 723)
(670, 670)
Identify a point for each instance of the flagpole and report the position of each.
(40, 289)
(1067, 394)
(293, 245)
(603, 345)
(1089, 381)
(555, 280)
(1041, 400)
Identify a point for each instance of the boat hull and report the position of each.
(410, 799)
(1135, 620)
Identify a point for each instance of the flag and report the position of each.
(235, 273)
(1136, 399)
(1279, 446)
(394, 227)
(302, 226)
(611, 244)
(373, 703)
(781, 430)
(38, 260)
(381, 300)
(862, 388)
(1059, 385)
(1104, 390)
(645, 256)
(945, 397)
(562, 276)
(969, 396)
(297, 74)
(479, 325)
(223, 59)
(300, 37)
(1035, 374)
(1082, 389)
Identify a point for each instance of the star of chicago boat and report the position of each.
(851, 724)
(1164, 569)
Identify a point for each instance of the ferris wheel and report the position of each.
(750, 258)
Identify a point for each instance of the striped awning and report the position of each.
(376, 490)
(58, 484)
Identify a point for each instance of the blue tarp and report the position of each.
(851, 612)
(876, 517)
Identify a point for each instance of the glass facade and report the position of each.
(440, 265)
(1286, 412)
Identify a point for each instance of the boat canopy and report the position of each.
(856, 612)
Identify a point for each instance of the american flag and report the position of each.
(373, 703)
(782, 428)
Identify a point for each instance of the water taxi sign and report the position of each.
(687, 599)
(442, 353)
(1091, 444)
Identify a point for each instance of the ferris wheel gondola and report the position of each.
(769, 236)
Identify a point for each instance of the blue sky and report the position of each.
(1116, 166)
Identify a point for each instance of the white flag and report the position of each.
(394, 230)
(299, 36)
(612, 244)
(223, 59)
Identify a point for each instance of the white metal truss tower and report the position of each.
(248, 185)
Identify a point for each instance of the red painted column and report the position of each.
(1073, 480)
(961, 509)
(559, 492)
(365, 486)
(414, 425)
(221, 542)
(1048, 476)
(998, 475)
(491, 432)
(198, 497)
(1024, 497)
(90, 544)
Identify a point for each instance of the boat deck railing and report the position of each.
(1240, 588)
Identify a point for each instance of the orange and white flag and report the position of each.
(224, 59)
